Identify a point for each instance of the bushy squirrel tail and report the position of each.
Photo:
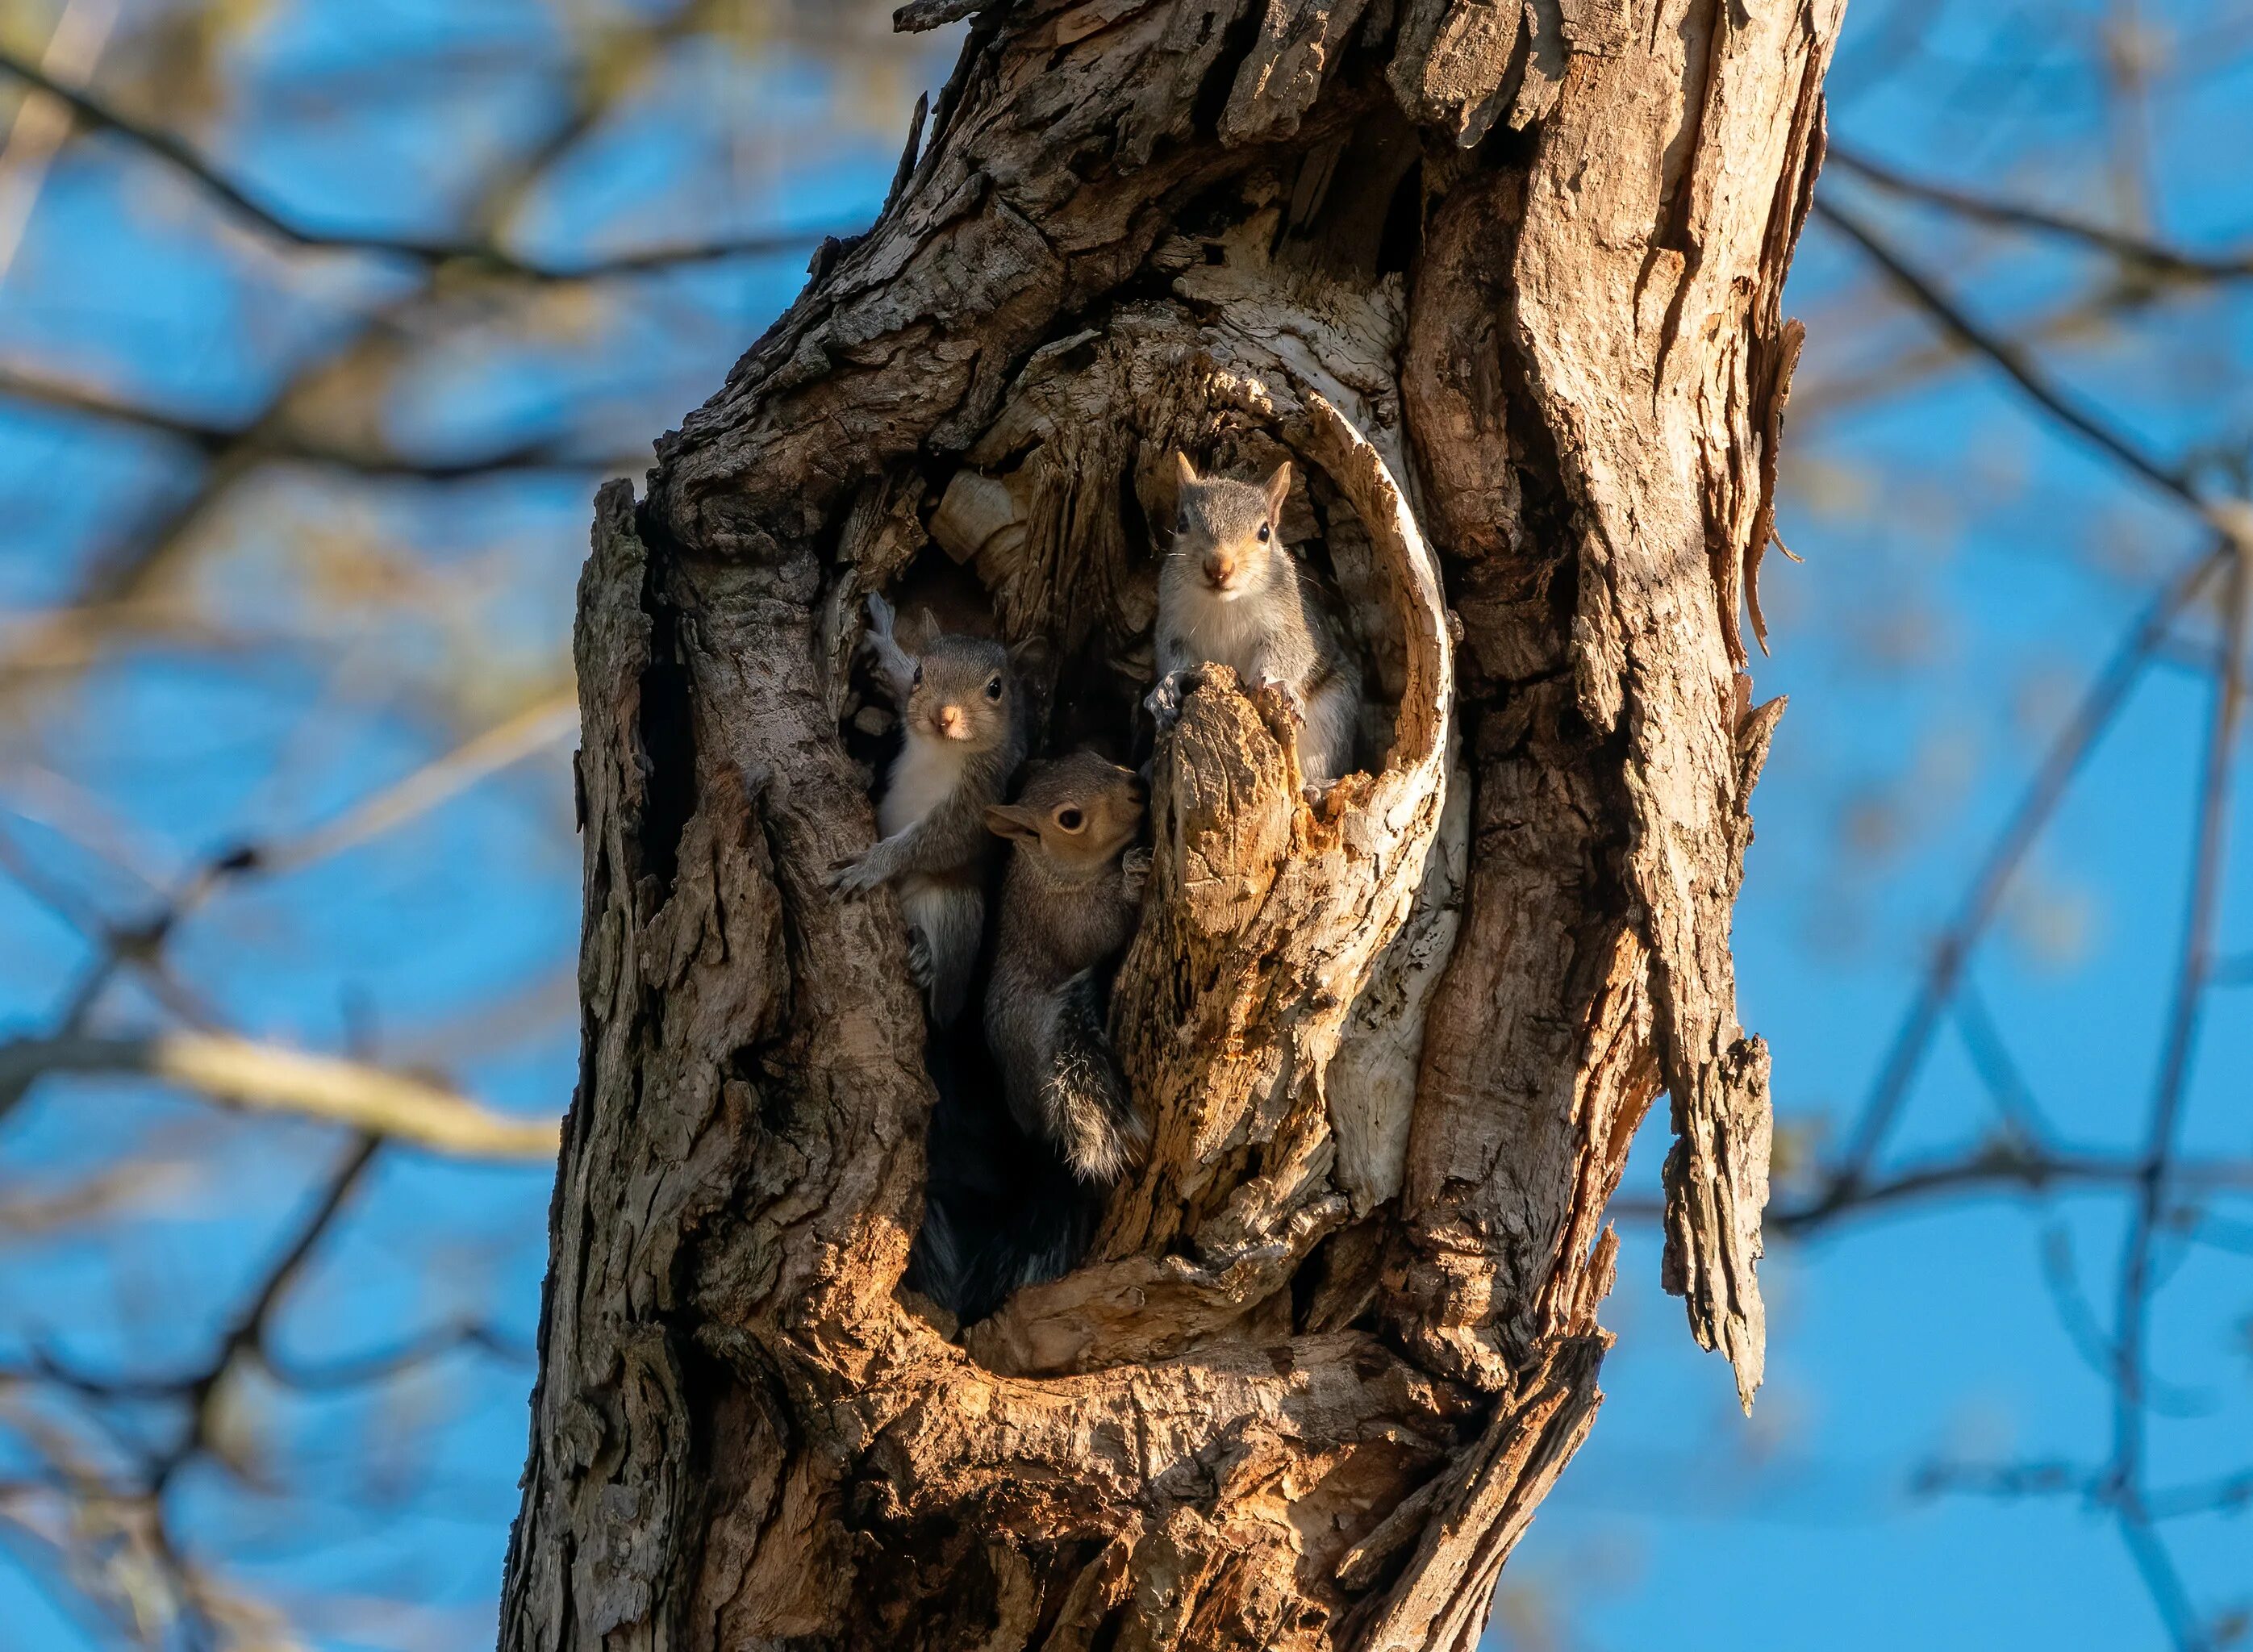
(1084, 1102)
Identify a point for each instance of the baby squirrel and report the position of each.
(1230, 594)
(961, 742)
(1069, 901)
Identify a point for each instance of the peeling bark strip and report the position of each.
(1338, 1336)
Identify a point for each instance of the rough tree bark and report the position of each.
(1504, 276)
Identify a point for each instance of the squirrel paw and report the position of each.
(853, 876)
(1133, 873)
(1165, 700)
(1289, 698)
(919, 959)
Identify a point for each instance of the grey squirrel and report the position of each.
(962, 740)
(1029, 1130)
(1069, 903)
(1230, 594)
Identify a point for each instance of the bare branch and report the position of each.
(2013, 362)
(361, 1369)
(1998, 1166)
(265, 1078)
(2201, 925)
(508, 741)
(2090, 719)
(261, 440)
(487, 254)
(2134, 250)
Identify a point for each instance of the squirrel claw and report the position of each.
(1164, 702)
(849, 877)
(1287, 697)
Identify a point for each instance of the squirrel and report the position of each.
(1230, 594)
(1069, 903)
(962, 740)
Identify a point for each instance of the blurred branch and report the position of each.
(2090, 719)
(487, 254)
(2135, 249)
(1997, 1069)
(42, 123)
(266, 1078)
(259, 441)
(508, 741)
(360, 1371)
(28, 1208)
(2007, 1165)
(603, 76)
(2210, 853)
(2021, 371)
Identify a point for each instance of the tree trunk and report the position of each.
(1505, 279)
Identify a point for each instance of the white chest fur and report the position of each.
(923, 774)
(1224, 630)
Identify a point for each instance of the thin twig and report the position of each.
(360, 1371)
(2135, 249)
(2007, 1165)
(2090, 720)
(489, 255)
(2014, 363)
(2209, 851)
(508, 741)
(261, 440)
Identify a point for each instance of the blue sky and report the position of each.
(1965, 569)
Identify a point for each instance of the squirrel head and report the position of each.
(964, 694)
(1229, 532)
(1077, 812)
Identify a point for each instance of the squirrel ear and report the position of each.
(1009, 820)
(1278, 490)
(1185, 472)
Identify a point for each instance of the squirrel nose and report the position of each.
(1218, 568)
(950, 719)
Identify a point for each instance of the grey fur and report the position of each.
(1067, 907)
(939, 858)
(1278, 628)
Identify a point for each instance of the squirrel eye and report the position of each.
(1263, 532)
(1069, 818)
(918, 678)
(1182, 523)
(994, 689)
